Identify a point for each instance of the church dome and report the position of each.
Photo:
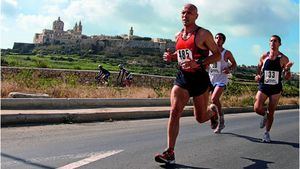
(58, 24)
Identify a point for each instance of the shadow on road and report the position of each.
(21, 160)
(258, 140)
(257, 163)
(177, 166)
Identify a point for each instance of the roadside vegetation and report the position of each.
(238, 93)
(143, 64)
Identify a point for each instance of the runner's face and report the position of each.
(188, 16)
(219, 40)
(274, 43)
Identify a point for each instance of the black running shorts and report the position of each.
(270, 90)
(195, 82)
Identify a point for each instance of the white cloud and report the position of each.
(257, 50)
(57, 1)
(90, 10)
(3, 26)
(255, 17)
(233, 17)
(11, 2)
(33, 23)
(8, 7)
(156, 18)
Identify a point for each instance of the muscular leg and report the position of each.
(179, 98)
(260, 99)
(273, 101)
(201, 111)
(215, 98)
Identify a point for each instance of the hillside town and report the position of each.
(75, 37)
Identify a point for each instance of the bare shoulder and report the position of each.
(284, 59)
(204, 39)
(228, 53)
(264, 56)
(283, 56)
(204, 32)
(177, 35)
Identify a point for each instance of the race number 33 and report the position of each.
(183, 54)
(271, 77)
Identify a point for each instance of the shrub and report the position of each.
(4, 62)
(41, 63)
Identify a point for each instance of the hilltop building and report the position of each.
(58, 35)
(75, 37)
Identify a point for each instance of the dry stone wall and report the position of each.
(88, 76)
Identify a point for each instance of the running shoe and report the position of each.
(266, 138)
(263, 120)
(214, 119)
(168, 157)
(221, 125)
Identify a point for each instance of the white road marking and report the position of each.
(90, 159)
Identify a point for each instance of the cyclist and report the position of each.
(103, 75)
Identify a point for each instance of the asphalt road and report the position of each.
(133, 144)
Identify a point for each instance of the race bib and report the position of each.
(271, 77)
(215, 68)
(184, 54)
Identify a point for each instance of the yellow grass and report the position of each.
(84, 91)
(90, 91)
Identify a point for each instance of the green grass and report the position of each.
(152, 65)
(84, 63)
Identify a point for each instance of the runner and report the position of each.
(193, 44)
(218, 74)
(270, 68)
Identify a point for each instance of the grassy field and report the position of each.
(153, 65)
(240, 92)
(237, 94)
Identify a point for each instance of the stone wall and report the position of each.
(24, 48)
(88, 76)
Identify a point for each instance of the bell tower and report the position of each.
(130, 33)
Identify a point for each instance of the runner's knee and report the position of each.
(214, 100)
(271, 112)
(200, 119)
(175, 114)
(259, 109)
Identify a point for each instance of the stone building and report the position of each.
(123, 42)
(58, 36)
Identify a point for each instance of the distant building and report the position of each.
(58, 35)
(121, 42)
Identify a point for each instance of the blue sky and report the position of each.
(248, 24)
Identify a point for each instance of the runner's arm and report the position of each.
(286, 67)
(212, 46)
(232, 61)
(259, 66)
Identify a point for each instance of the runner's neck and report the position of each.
(273, 54)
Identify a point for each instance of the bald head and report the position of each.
(189, 14)
(191, 7)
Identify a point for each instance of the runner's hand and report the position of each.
(167, 56)
(287, 72)
(189, 64)
(288, 65)
(257, 78)
(226, 70)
